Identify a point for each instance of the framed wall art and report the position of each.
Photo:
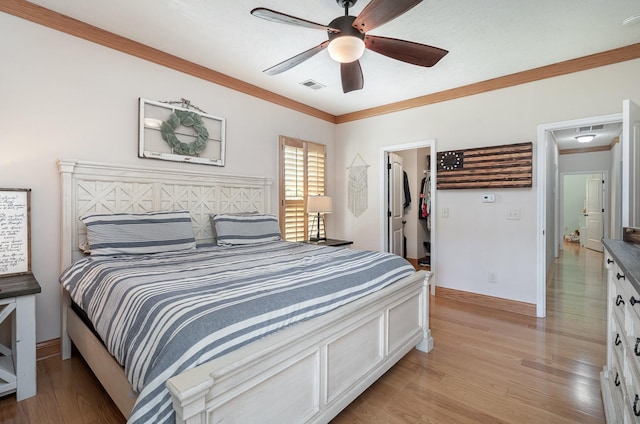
(15, 231)
(507, 166)
(181, 132)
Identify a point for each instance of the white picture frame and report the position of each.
(152, 143)
(15, 231)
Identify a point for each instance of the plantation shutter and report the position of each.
(302, 173)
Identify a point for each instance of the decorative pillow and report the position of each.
(232, 229)
(214, 235)
(141, 233)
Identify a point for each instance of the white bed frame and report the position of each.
(305, 373)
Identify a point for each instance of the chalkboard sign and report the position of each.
(15, 231)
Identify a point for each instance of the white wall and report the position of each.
(63, 97)
(477, 238)
(585, 162)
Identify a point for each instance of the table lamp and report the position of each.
(318, 205)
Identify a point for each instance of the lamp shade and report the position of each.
(346, 49)
(319, 204)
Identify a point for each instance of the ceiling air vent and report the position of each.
(312, 84)
(590, 128)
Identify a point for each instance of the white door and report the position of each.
(630, 164)
(594, 201)
(394, 204)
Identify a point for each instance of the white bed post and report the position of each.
(66, 170)
(426, 344)
(190, 402)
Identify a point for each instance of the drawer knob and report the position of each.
(618, 341)
(619, 300)
(609, 261)
(635, 349)
(620, 276)
(633, 301)
(635, 406)
(617, 380)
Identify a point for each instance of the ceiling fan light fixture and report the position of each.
(586, 138)
(346, 48)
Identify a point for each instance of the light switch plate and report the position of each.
(488, 198)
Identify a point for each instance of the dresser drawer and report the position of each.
(616, 374)
(619, 300)
(608, 260)
(619, 342)
(632, 388)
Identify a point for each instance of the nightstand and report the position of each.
(329, 242)
(18, 361)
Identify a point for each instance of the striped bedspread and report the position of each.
(162, 314)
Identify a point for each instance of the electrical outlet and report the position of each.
(513, 214)
(493, 277)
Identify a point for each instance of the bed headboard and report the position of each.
(107, 188)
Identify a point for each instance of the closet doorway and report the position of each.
(419, 232)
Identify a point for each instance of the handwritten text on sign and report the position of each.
(14, 232)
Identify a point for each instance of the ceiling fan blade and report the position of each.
(296, 60)
(351, 74)
(405, 51)
(379, 12)
(282, 18)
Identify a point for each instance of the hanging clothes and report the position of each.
(425, 200)
(425, 197)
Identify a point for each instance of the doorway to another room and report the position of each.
(408, 197)
(582, 211)
(559, 156)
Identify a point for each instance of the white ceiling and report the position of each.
(604, 136)
(485, 39)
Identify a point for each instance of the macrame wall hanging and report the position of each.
(357, 199)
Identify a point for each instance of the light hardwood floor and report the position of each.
(487, 366)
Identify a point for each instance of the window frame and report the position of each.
(315, 178)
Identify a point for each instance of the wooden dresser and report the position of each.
(620, 378)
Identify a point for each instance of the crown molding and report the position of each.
(48, 18)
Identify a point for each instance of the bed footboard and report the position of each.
(309, 372)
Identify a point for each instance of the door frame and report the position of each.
(544, 186)
(606, 200)
(384, 222)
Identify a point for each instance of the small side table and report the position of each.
(18, 363)
(329, 242)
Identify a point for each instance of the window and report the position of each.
(302, 174)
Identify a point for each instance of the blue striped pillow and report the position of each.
(141, 233)
(232, 229)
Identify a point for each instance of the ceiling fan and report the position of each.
(347, 39)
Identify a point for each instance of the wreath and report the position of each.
(187, 119)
